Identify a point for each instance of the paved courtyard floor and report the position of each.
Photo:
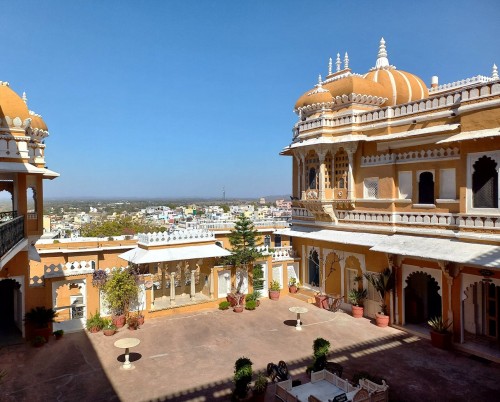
(190, 357)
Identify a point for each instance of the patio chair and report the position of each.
(279, 372)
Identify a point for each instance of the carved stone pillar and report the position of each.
(303, 175)
(350, 150)
(394, 301)
(321, 156)
(193, 289)
(212, 281)
(163, 281)
(172, 288)
(299, 175)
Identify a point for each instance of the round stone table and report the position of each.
(299, 311)
(127, 343)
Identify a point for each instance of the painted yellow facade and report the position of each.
(390, 173)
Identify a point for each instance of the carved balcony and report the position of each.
(11, 231)
(324, 209)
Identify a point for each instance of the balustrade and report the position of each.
(11, 231)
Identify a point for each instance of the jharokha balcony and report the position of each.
(11, 231)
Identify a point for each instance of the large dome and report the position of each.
(11, 104)
(357, 85)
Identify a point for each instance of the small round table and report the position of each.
(299, 311)
(127, 343)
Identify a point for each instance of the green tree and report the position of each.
(118, 227)
(243, 239)
(121, 290)
(225, 208)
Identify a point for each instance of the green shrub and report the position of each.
(95, 322)
(321, 347)
(275, 286)
(224, 305)
(251, 305)
(242, 377)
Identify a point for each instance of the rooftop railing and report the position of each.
(11, 231)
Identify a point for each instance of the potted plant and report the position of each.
(94, 323)
(254, 296)
(224, 305)
(140, 317)
(250, 305)
(274, 290)
(108, 328)
(133, 322)
(120, 290)
(440, 333)
(242, 378)
(260, 387)
(356, 297)
(40, 318)
(58, 334)
(293, 285)
(383, 283)
(38, 341)
(321, 348)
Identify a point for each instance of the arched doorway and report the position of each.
(422, 298)
(11, 313)
(313, 265)
(481, 309)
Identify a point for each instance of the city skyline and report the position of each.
(181, 100)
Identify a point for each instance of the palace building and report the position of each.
(388, 172)
(22, 171)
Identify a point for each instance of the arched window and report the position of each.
(312, 179)
(267, 240)
(485, 183)
(277, 240)
(426, 188)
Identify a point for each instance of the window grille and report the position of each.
(371, 187)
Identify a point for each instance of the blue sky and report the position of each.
(183, 98)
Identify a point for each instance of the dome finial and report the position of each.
(346, 61)
(382, 60)
(337, 62)
(25, 98)
(330, 66)
(494, 72)
(320, 82)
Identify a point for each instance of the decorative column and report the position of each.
(321, 155)
(303, 176)
(394, 302)
(299, 175)
(304, 265)
(172, 288)
(350, 150)
(163, 281)
(193, 290)
(212, 280)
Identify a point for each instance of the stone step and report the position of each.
(304, 295)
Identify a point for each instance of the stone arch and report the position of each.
(31, 199)
(422, 297)
(69, 299)
(332, 272)
(481, 298)
(313, 267)
(7, 193)
(13, 307)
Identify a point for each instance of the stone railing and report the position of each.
(178, 236)
(424, 105)
(301, 213)
(422, 218)
(283, 253)
(69, 269)
(411, 156)
(461, 83)
(230, 225)
(32, 216)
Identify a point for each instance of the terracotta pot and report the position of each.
(357, 311)
(293, 289)
(94, 330)
(118, 320)
(238, 309)
(441, 340)
(274, 294)
(321, 301)
(257, 303)
(132, 327)
(381, 320)
(108, 332)
(141, 320)
(45, 332)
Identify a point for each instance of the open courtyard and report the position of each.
(190, 357)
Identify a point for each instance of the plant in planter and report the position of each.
(58, 334)
(440, 333)
(108, 328)
(120, 290)
(356, 297)
(260, 387)
(274, 290)
(40, 318)
(133, 322)
(321, 348)
(242, 378)
(250, 305)
(224, 305)
(94, 323)
(383, 283)
(38, 341)
(254, 296)
(293, 285)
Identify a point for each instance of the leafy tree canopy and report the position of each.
(118, 227)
